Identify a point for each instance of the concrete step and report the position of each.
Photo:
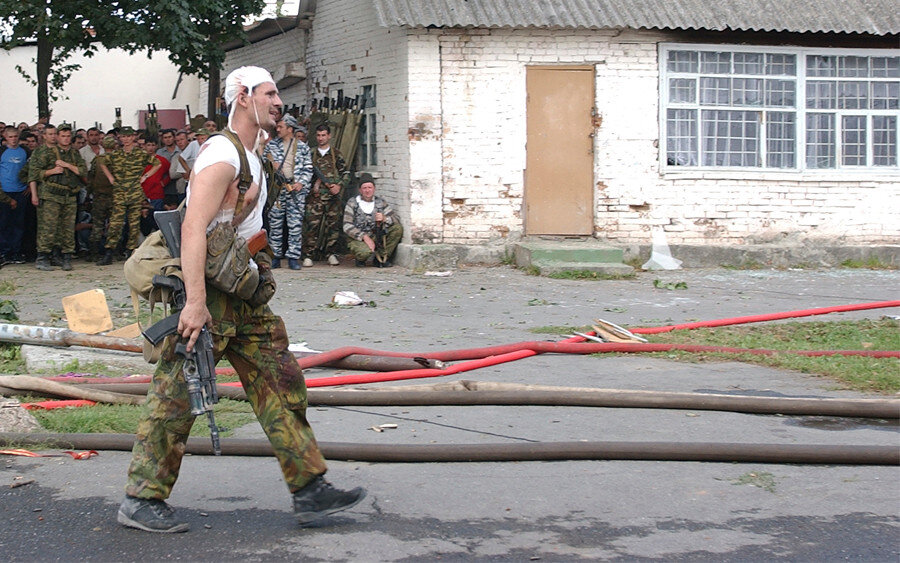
(581, 255)
(605, 268)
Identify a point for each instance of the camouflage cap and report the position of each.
(109, 143)
(64, 127)
(203, 131)
(127, 130)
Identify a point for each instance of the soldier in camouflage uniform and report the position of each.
(324, 205)
(125, 170)
(252, 337)
(293, 159)
(101, 192)
(57, 170)
(372, 228)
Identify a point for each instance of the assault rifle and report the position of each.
(199, 364)
(379, 235)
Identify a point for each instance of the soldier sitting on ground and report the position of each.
(371, 226)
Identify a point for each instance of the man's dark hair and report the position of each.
(151, 139)
(93, 129)
(323, 127)
(113, 131)
(166, 131)
(49, 126)
(26, 136)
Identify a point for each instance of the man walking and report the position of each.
(246, 332)
(325, 201)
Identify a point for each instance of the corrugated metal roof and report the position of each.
(878, 17)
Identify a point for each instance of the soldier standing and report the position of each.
(59, 168)
(101, 192)
(325, 201)
(124, 168)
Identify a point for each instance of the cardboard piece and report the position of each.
(128, 331)
(87, 312)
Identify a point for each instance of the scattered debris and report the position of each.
(660, 255)
(444, 274)
(349, 299)
(658, 283)
(611, 332)
(87, 312)
(17, 484)
(383, 427)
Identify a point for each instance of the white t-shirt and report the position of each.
(220, 149)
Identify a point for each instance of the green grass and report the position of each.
(123, 419)
(761, 479)
(859, 373)
(589, 275)
(8, 287)
(870, 263)
(559, 329)
(11, 358)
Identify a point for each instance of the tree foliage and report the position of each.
(193, 32)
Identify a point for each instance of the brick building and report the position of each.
(724, 124)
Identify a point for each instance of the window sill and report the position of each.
(865, 175)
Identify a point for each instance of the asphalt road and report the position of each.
(239, 508)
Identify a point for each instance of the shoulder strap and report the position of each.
(245, 177)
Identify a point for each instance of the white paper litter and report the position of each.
(346, 298)
(444, 274)
(660, 256)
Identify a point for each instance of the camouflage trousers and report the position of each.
(126, 207)
(324, 218)
(255, 342)
(56, 225)
(289, 209)
(101, 209)
(392, 237)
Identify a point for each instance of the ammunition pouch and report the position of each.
(228, 262)
(59, 189)
(266, 287)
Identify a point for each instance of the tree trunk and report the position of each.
(213, 92)
(44, 56)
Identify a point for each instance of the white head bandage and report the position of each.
(248, 77)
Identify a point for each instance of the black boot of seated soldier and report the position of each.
(66, 262)
(55, 258)
(319, 498)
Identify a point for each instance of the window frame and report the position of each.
(799, 110)
(364, 154)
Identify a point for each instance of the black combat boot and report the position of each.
(150, 515)
(319, 498)
(107, 258)
(55, 258)
(67, 262)
(43, 262)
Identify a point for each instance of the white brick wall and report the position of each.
(483, 108)
(269, 54)
(348, 49)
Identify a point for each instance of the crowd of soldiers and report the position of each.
(67, 193)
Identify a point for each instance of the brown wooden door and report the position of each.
(559, 177)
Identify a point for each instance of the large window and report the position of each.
(779, 109)
(367, 154)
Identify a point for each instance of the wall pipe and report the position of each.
(530, 451)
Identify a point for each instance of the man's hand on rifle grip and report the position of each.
(192, 319)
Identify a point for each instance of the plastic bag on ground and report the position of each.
(660, 255)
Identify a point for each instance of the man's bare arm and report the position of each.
(208, 190)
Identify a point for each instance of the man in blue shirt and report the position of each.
(12, 197)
